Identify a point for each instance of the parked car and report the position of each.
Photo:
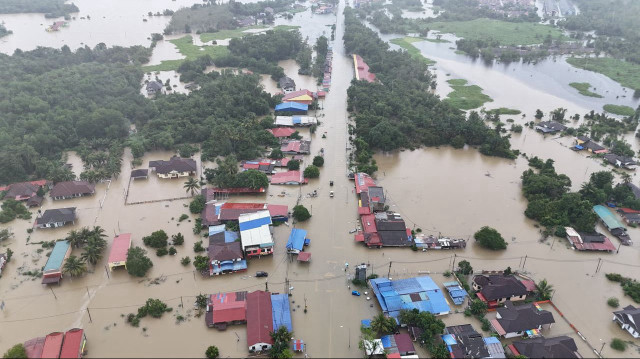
(356, 293)
(261, 274)
(331, 194)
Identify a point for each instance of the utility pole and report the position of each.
(54, 294)
(453, 266)
(619, 245)
(389, 272)
(88, 312)
(181, 303)
(266, 286)
(525, 261)
(89, 295)
(107, 270)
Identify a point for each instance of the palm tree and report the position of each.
(75, 239)
(92, 254)
(192, 186)
(98, 231)
(383, 325)
(74, 266)
(544, 290)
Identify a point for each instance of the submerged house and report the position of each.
(292, 107)
(583, 142)
(613, 225)
(281, 132)
(255, 233)
(266, 167)
(140, 173)
(541, 347)
(72, 189)
(54, 218)
(550, 127)
(589, 241)
(375, 195)
(361, 70)
(119, 250)
(259, 321)
(420, 293)
(52, 272)
(296, 147)
(496, 289)
(629, 216)
(176, 167)
(224, 309)
(154, 87)
(24, 191)
(621, 161)
(432, 242)
(629, 320)
(297, 240)
(463, 341)
(226, 258)
(295, 121)
(287, 84)
(392, 230)
(289, 178)
(521, 320)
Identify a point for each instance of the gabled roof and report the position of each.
(229, 307)
(468, 340)
(288, 177)
(281, 131)
(363, 181)
(154, 86)
(541, 347)
(70, 188)
(292, 95)
(500, 286)
(286, 82)
(225, 251)
(550, 126)
(72, 343)
(57, 255)
(296, 239)
(120, 247)
(21, 190)
(296, 146)
(629, 315)
(176, 163)
(523, 317)
(52, 345)
(33, 347)
(292, 106)
(140, 172)
(57, 215)
(259, 318)
(635, 189)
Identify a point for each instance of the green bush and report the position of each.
(185, 261)
(318, 161)
(293, 165)
(183, 217)
(197, 204)
(489, 238)
(201, 263)
(177, 239)
(162, 251)
(212, 352)
(618, 344)
(16, 351)
(300, 213)
(197, 247)
(157, 239)
(613, 302)
(172, 250)
(137, 262)
(311, 172)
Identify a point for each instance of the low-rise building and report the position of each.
(550, 127)
(521, 320)
(154, 87)
(224, 309)
(295, 147)
(281, 132)
(74, 344)
(420, 293)
(23, 191)
(72, 189)
(54, 218)
(255, 233)
(296, 241)
(583, 142)
(226, 258)
(392, 230)
(432, 242)
(629, 216)
(464, 342)
(295, 121)
(377, 200)
(288, 178)
(176, 167)
(589, 241)
(541, 347)
(629, 320)
(119, 249)
(259, 321)
(52, 271)
(621, 161)
(496, 289)
(140, 173)
(287, 84)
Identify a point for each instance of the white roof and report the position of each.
(295, 120)
(254, 228)
(571, 232)
(373, 347)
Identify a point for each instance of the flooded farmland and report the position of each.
(443, 190)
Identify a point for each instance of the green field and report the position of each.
(583, 88)
(504, 111)
(406, 43)
(466, 97)
(190, 51)
(625, 73)
(506, 33)
(229, 34)
(619, 110)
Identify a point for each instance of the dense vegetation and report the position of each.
(432, 328)
(490, 238)
(466, 97)
(226, 175)
(51, 8)
(400, 111)
(4, 31)
(138, 263)
(583, 88)
(630, 286)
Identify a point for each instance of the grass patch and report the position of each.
(619, 110)
(437, 41)
(466, 97)
(406, 43)
(583, 88)
(460, 52)
(240, 32)
(504, 32)
(504, 111)
(625, 73)
(190, 51)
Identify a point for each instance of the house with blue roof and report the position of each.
(255, 233)
(296, 241)
(292, 107)
(456, 292)
(281, 311)
(420, 293)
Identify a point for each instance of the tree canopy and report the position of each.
(490, 238)
(137, 262)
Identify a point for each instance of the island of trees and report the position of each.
(51, 8)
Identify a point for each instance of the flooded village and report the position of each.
(324, 259)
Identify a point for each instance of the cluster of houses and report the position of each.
(262, 312)
(70, 344)
(613, 225)
(326, 79)
(322, 8)
(361, 69)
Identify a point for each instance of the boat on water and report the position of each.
(56, 26)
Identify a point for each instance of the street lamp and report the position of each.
(602, 348)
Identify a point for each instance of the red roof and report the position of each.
(394, 355)
(321, 94)
(363, 181)
(33, 347)
(278, 210)
(120, 247)
(496, 325)
(287, 177)
(627, 210)
(52, 345)
(369, 223)
(237, 190)
(229, 307)
(72, 346)
(250, 166)
(372, 239)
(529, 285)
(404, 343)
(359, 237)
(291, 146)
(284, 161)
(364, 210)
(282, 131)
(35, 183)
(304, 256)
(295, 94)
(230, 205)
(363, 70)
(259, 318)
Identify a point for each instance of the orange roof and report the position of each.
(52, 345)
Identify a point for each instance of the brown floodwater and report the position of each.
(454, 192)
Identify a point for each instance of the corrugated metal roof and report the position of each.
(72, 343)
(607, 217)
(120, 247)
(296, 239)
(57, 256)
(281, 311)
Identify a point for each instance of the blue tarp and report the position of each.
(258, 222)
(296, 239)
(230, 266)
(56, 258)
(296, 120)
(386, 341)
(280, 311)
(292, 107)
(216, 229)
(366, 323)
(228, 235)
(449, 339)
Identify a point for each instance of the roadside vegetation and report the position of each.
(583, 88)
(490, 238)
(630, 286)
(466, 97)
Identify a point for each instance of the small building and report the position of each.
(34, 347)
(35, 201)
(295, 147)
(376, 198)
(54, 218)
(302, 96)
(119, 250)
(463, 341)
(266, 167)
(224, 309)
(392, 230)
(363, 181)
(432, 242)
(550, 127)
(361, 70)
(25, 190)
(541, 347)
(226, 258)
(52, 345)
(296, 241)
(52, 272)
(621, 161)
(398, 345)
(154, 87)
(629, 320)
(74, 344)
(635, 189)
(456, 292)
(496, 289)
(292, 107)
(494, 347)
(231, 211)
(613, 225)
(140, 173)
(287, 84)
(281, 132)
(288, 178)
(523, 320)
(629, 216)
(419, 293)
(72, 189)
(583, 142)
(176, 167)
(281, 311)
(295, 121)
(589, 241)
(259, 321)
(255, 233)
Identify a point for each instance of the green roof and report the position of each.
(57, 256)
(607, 217)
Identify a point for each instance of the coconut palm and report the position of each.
(74, 266)
(93, 253)
(75, 239)
(98, 231)
(544, 290)
(383, 325)
(192, 186)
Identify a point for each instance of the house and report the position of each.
(255, 233)
(583, 142)
(301, 96)
(34, 347)
(292, 107)
(231, 211)
(119, 249)
(288, 178)
(295, 121)
(25, 190)
(463, 341)
(52, 272)
(363, 181)
(432, 242)
(224, 309)
(494, 347)
(550, 127)
(281, 311)
(456, 292)
(589, 241)
(154, 87)
(521, 320)
(376, 198)
(226, 258)
(287, 84)
(635, 189)
(629, 215)
(629, 320)
(392, 230)
(54, 218)
(281, 132)
(621, 161)
(419, 293)
(140, 173)
(296, 147)
(541, 347)
(362, 70)
(397, 345)
(74, 344)
(296, 241)
(266, 167)
(246, 21)
(496, 289)
(176, 167)
(3, 261)
(35, 201)
(52, 345)
(259, 321)
(614, 226)
(72, 189)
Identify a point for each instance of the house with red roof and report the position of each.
(259, 321)
(362, 69)
(589, 241)
(281, 132)
(74, 344)
(266, 167)
(289, 178)
(34, 347)
(301, 96)
(224, 309)
(363, 182)
(119, 249)
(52, 345)
(296, 147)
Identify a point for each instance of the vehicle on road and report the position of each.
(356, 293)
(260, 274)
(331, 194)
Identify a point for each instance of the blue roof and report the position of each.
(386, 341)
(491, 340)
(395, 296)
(449, 339)
(216, 229)
(366, 323)
(292, 106)
(296, 239)
(456, 292)
(280, 311)
(57, 256)
(607, 217)
(255, 223)
(233, 266)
